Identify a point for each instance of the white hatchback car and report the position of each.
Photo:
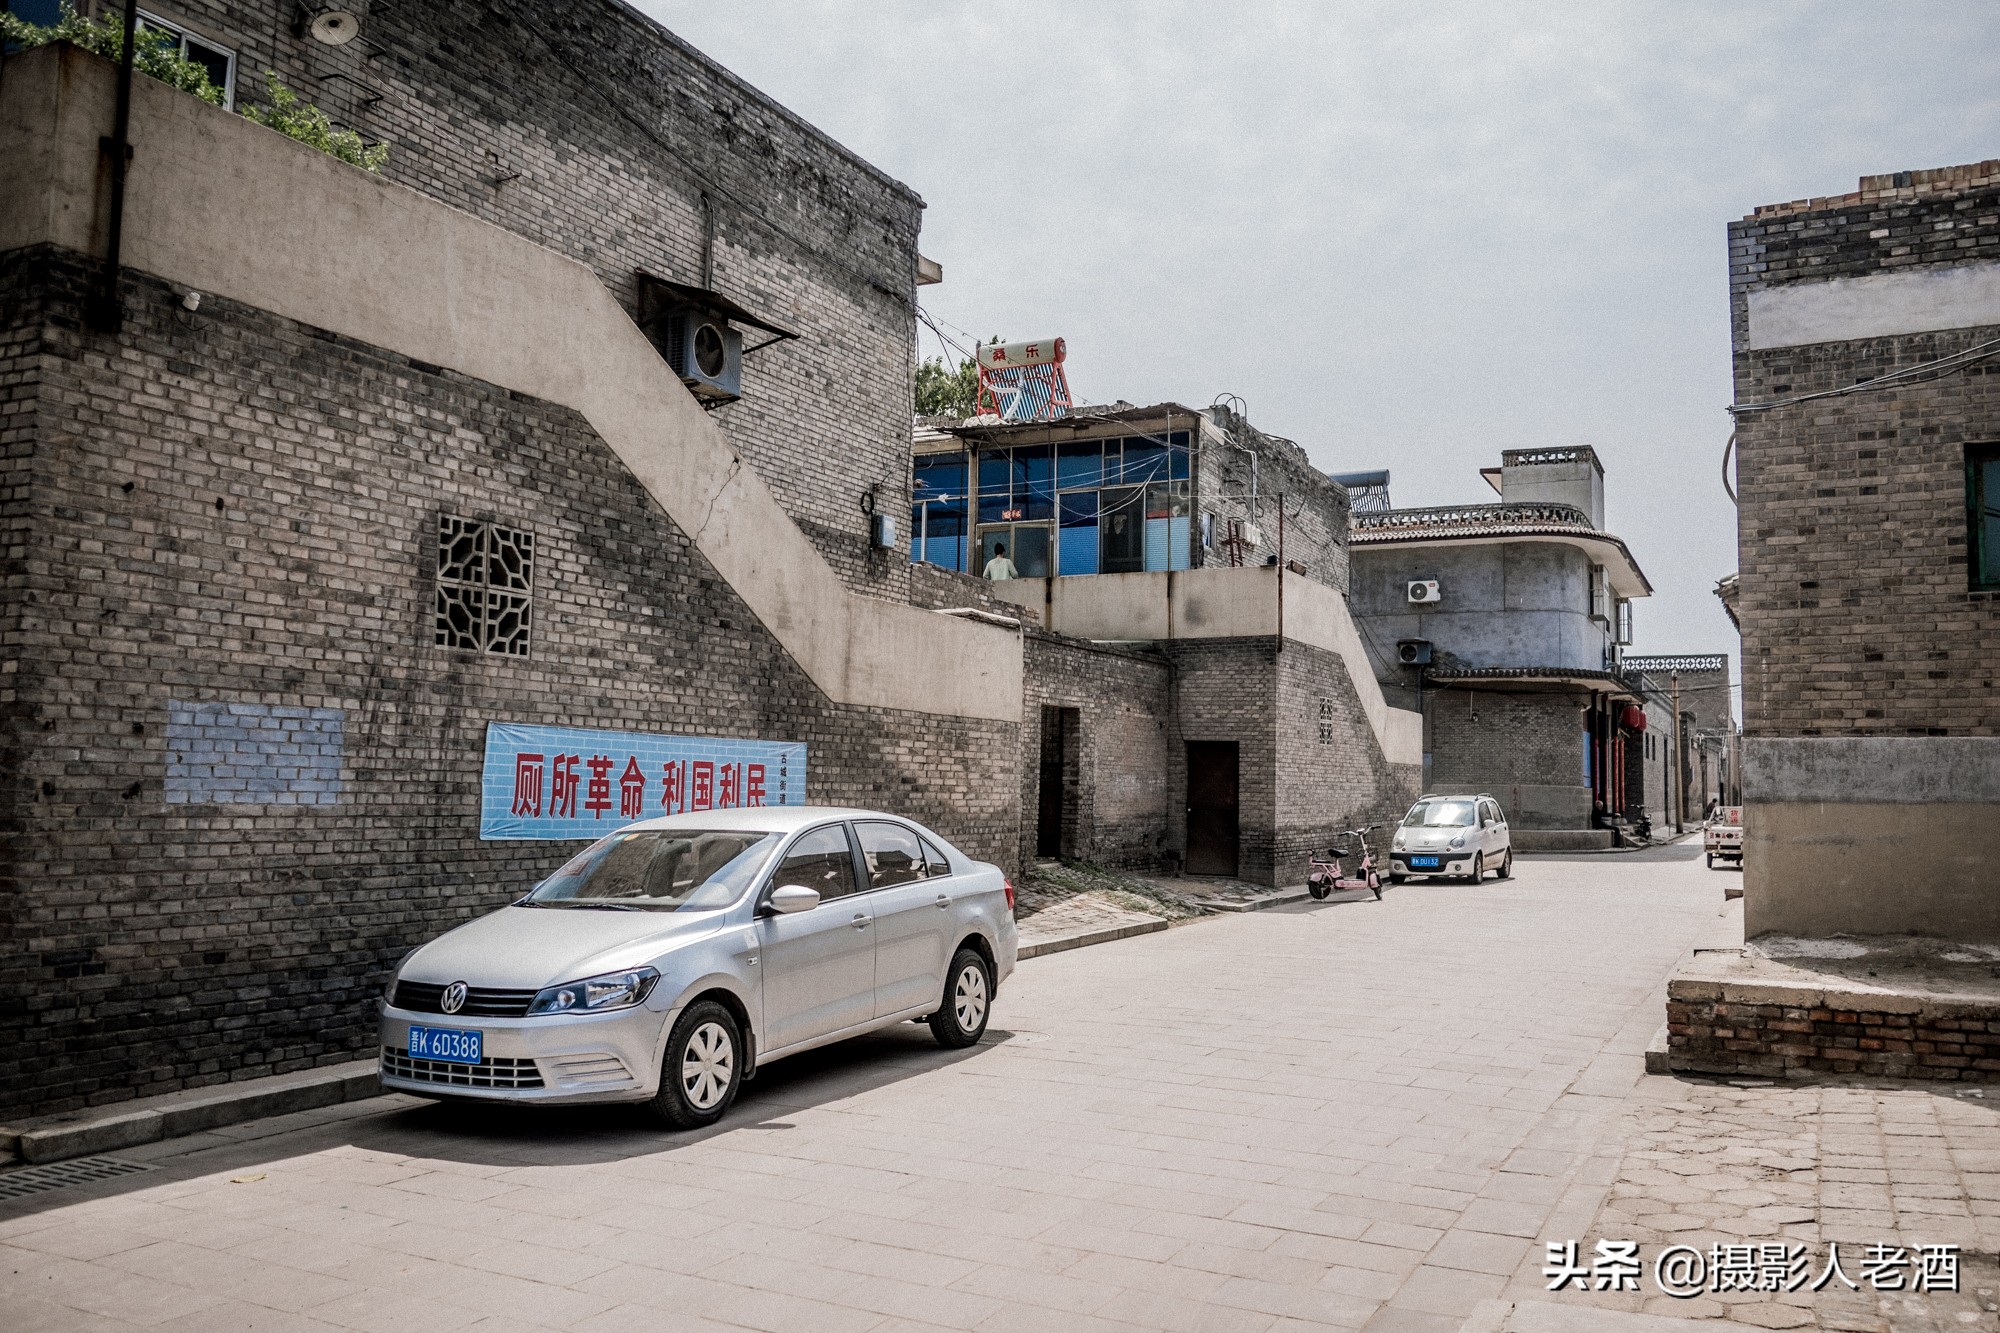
(1452, 835)
(664, 963)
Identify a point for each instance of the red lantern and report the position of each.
(1633, 718)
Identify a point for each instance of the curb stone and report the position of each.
(1257, 904)
(178, 1114)
(1084, 938)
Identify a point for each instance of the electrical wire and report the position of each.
(930, 322)
(1921, 373)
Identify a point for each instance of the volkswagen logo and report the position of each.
(453, 998)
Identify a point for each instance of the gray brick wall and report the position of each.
(1315, 505)
(242, 511)
(1331, 775)
(1853, 593)
(1527, 749)
(617, 144)
(1122, 764)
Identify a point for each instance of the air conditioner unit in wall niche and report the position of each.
(1424, 590)
(699, 333)
(705, 351)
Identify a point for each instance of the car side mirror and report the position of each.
(790, 898)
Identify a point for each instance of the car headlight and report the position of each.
(1396, 843)
(613, 990)
(1457, 842)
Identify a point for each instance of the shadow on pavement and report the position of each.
(516, 1136)
(1688, 849)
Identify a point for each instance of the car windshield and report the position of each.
(1440, 814)
(664, 870)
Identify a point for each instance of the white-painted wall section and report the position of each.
(1221, 603)
(1878, 305)
(224, 206)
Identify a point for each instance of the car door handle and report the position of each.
(860, 921)
(944, 900)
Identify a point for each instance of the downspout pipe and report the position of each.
(110, 311)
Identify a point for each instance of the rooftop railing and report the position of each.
(1490, 515)
(1677, 665)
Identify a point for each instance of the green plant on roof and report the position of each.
(291, 115)
(154, 53)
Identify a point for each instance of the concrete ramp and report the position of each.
(220, 205)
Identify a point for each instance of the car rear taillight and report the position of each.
(1008, 885)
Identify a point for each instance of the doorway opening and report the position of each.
(1026, 544)
(1212, 829)
(1055, 816)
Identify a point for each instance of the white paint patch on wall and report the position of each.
(1880, 305)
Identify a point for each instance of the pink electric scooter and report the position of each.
(1324, 876)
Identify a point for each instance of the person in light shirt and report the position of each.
(1000, 567)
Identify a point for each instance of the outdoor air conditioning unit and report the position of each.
(704, 350)
(1424, 590)
(1413, 652)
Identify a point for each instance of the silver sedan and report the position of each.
(664, 963)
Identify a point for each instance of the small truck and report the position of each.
(1722, 838)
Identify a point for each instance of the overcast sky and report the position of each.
(1407, 235)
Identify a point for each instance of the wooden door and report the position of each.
(1212, 829)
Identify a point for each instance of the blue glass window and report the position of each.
(1032, 469)
(1179, 456)
(940, 475)
(1077, 553)
(42, 13)
(1144, 461)
(995, 472)
(1080, 463)
(1076, 549)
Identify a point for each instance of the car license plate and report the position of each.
(456, 1046)
(1423, 863)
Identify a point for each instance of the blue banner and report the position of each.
(560, 782)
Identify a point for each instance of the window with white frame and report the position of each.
(218, 60)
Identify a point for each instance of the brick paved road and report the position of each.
(1348, 1115)
(1857, 1164)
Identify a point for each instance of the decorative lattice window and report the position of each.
(1326, 721)
(485, 583)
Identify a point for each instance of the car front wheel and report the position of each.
(1478, 866)
(968, 1001)
(702, 1069)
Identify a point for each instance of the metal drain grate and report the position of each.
(59, 1175)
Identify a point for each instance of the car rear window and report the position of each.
(660, 870)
